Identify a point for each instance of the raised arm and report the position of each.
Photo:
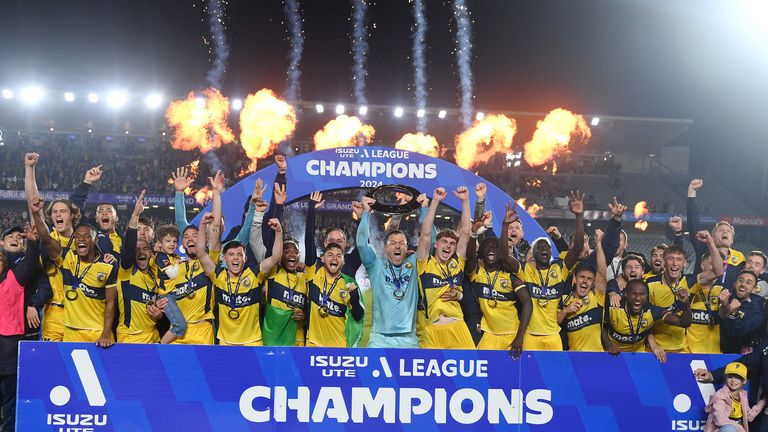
(718, 267)
(310, 249)
(128, 256)
(52, 247)
(425, 237)
(256, 239)
(471, 264)
(217, 183)
(509, 262)
(576, 205)
(181, 181)
(481, 189)
(675, 230)
(277, 202)
(81, 192)
(268, 264)
(367, 254)
(202, 244)
(601, 276)
(30, 182)
(465, 225)
(694, 221)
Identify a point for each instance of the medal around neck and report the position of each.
(234, 314)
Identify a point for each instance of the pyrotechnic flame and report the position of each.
(203, 195)
(194, 168)
(534, 183)
(641, 210)
(188, 191)
(265, 121)
(487, 137)
(533, 209)
(200, 126)
(554, 134)
(344, 131)
(251, 168)
(554, 167)
(420, 143)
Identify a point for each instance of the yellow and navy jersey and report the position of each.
(194, 290)
(735, 258)
(162, 262)
(649, 275)
(52, 270)
(584, 326)
(327, 328)
(546, 287)
(237, 304)
(669, 337)
(495, 293)
(736, 413)
(134, 290)
(629, 331)
(88, 282)
(434, 280)
(704, 333)
(286, 290)
(112, 240)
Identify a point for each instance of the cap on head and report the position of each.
(738, 369)
(12, 230)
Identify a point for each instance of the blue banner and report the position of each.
(78, 387)
(369, 167)
(96, 198)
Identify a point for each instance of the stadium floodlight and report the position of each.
(31, 95)
(339, 109)
(93, 97)
(127, 131)
(52, 129)
(442, 114)
(7, 94)
(69, 97)
(154, 100)
(399, 112)
(117, 99)
(420, 113)
(237, 104)
(319, 108)
(480, 116)
(595, 121)
(90, 130)
(363, 110)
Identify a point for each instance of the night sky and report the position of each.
(702, 60)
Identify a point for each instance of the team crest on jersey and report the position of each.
(504, 283)
(715, 299)
(343, 293)
(101, 276)
(196, 266)
(643, 323)
(247, 282)
(453, 264)
(553, 274)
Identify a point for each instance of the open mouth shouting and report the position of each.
(82, 248)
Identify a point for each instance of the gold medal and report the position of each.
(191, 295)
(398, 294)
(234, 314)
(323, 311)
(492, 303)
(542, 301)
(71, 294)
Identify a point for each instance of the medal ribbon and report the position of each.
(327, 293)
(79, 277)
(492, 283)
(229, 290)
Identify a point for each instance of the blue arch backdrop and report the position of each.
(368, 167)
